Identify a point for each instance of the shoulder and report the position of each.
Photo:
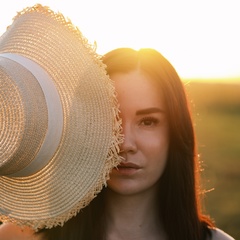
(218, 234)
(9, 231)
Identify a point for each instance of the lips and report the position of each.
(128, 165)
(126, 169)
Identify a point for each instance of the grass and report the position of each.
(216, 115)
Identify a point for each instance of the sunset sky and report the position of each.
(200, 38)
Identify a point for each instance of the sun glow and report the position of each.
(200, 38)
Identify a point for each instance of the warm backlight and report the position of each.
(200, 38)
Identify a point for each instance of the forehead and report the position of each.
(137, 89)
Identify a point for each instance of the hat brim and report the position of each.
(91, 126)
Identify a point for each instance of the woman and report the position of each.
(154, 193)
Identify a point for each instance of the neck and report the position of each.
(133, 216)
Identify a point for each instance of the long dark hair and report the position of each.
(179, 187)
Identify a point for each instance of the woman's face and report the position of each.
(145, 129)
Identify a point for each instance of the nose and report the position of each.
(129, 144)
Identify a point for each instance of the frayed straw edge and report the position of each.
(113, 158)
(65, 21)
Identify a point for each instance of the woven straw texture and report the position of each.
(92, 128)
(20, 120)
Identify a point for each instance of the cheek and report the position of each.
(158, 158)
(156, 153)
(154, 143)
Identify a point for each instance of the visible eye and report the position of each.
(149, 121)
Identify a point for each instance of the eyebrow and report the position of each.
(149, 110)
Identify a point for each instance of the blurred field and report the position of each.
(216, 114)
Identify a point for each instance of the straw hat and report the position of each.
(59, 123)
